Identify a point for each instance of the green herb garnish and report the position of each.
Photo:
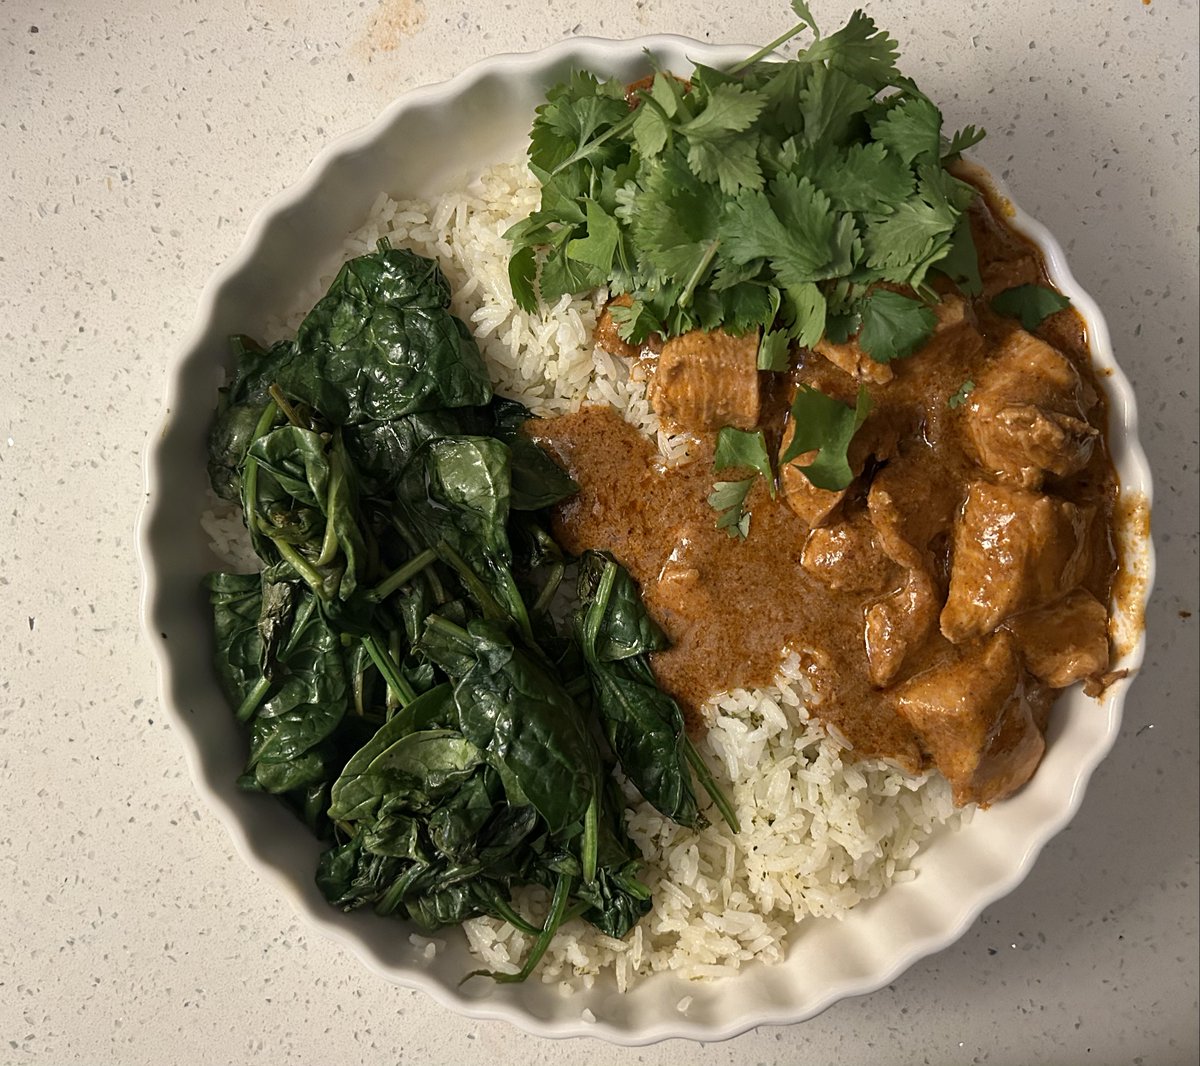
(960, 396)
(728, 499)
(773, 196)
(1030, 304)
(826, 426)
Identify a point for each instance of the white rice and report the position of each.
(820, 831)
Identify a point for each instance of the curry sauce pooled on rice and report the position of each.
(867, 509)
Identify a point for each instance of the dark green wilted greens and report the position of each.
(404, 685)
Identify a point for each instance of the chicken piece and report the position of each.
(606, 334)
(1064, 641)
(971, 714)
(706, 380)
(954, 326)
(909, 507)
(899, 624)
(812, 505)
(999, 275)
(849, 357)
(1027, 415)
(879, 437)
(846, 558)
(1013, 551)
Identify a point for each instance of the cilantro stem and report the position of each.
(584, 150)
(685, 297)
(767, 49)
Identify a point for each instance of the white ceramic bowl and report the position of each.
(424, 139)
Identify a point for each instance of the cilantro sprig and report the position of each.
(774, 196)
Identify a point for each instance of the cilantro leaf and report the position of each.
(908, 234)
(805, 16)
(599, 247)
(522, 269)
(652, 126)
(728, 499)
(826, 426)
(829, 104)
(960, 396)
(860, 50)
(911, 129)
(744, 448)
(804, 310)
(729, 109)
(773, 350)
(961, 263)
(865, 177)
(894, 326)
(562, 275)
(675, 224)
(794, 226)
(967, 137)
(1031, 304)
(715, 152)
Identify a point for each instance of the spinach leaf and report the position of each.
(236, 601)
(643, 724)
(302, 502)
(382, 344)
(357, 791)
(512, 708)
(623, 628)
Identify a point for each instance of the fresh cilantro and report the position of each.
(967, 137)
(894, 326)
(599, 247)
(1031, 304)
(744, 448)
(773, 350)
(804, 311)
(773, 196)
(826, 426)
(522, 269)
(911, 130)
(865, 178)
(728, 499)
(830, 104)
(960, 397)
(961, 263)
(861, 51)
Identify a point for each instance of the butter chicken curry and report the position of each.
(941, 599)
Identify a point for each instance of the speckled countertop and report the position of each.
(137, 139)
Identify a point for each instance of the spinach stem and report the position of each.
(250, 464)
(396, 683)
(475, 586)
(542, 603)
(512, 917)
(705, 777)
(590, 846)
(554, 918)
(402, 575)
(255, 696)
(288, 410)
(301, 565)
